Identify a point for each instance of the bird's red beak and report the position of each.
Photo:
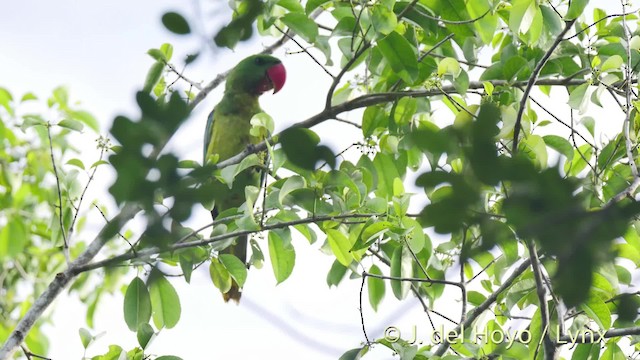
(277, 75)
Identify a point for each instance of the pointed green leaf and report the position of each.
(237, 269)
(576, 9)
(400, 55)
(137, 304)
(145, 334)
(291, 184)
(85, 337)
(613, 62)
(71, 124)
(164, 300)
(375, 287)
(76, 162)
(598, 311)
(340, 246)
(301, 25)
(401, 261)
(283, 256)
(220, 276)
(176, 23)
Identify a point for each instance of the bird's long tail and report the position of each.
(239, 249)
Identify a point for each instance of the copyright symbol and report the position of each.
(392, 334)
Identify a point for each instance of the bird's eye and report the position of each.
(259, 61)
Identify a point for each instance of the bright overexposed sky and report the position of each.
(98, 50)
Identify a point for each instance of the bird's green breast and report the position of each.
(232, 124)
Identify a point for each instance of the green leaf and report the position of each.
(384, 20)
(220, 275)
(71, 124)
(340, 246)
(487, 25)
(167, 50)
(61, 96)
(314, 4)
(98, 163)
(76, 162)
(283, 256)
(157, 55)
(559, 144)
(534, 147)
(153, 76)
(13, 237)
(488, 88)
(373, 118)
(164, 300)
(336, 273)
(598, 311)
(416, 239)
(137, 304)
(302, 149)
(449, 66)
(291, 184)
(576, 9)
(387, 173)
(145, 334)
(229, 173)
(613, 352)
(522, 15)
(26, 97)
(401, 266)
(262, 125)
(291, 5)
(237, 269)
(578, 98)
(176, 23)
(86, 118)
(375, 287)
(354, 354)
(301, 25)
(168, 357)
(85, 337)
(589, 123)
(613, 62)
(400, 55)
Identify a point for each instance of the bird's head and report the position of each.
(257, 74)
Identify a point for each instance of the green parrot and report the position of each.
(228, 133)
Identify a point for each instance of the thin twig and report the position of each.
(196, 243)
(84, 191)
(180, 76)
(596, 22)
(549, 346)
(364, 330)
(532, 81)
(305, 50)
(473, 315)
(65, 245)
(556, 118)
(31, 355)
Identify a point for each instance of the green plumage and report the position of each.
(228, 133)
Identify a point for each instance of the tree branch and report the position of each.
(189, 244)
(473, 315)
(61, 280)
(574, 339)
(549, 346)
(532, 81)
